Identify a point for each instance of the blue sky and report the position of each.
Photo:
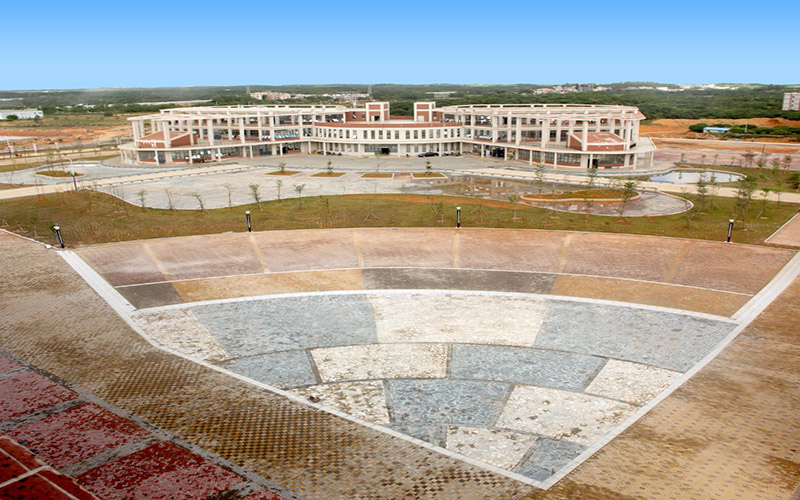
(83, 44)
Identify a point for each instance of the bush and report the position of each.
(697, 127)
(11, 118)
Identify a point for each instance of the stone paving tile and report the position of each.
(269, 284)
(381, 361)
(500, 448)
(279, 369)
(458, 279)
(519, 365)
(462, 318)
(455, 402)
(251, 327)
(67, 484)
(150, 295)
(631, 382)
(75, 434)
(364, 400)
(27, 392)
(511, 249)
(16, 458)
(570, 416)
(37, 487)
(316, 249)
(548, 457)
(162, 470)
(412, 247)
(122, 263)
(430, 433)
(211, 255)
(180, 329)
(6, 365)
(648, 293)
(661, 339)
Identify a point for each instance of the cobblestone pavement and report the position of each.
(729, 432)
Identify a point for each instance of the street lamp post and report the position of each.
(58, 235)
(730, 230)
(458, 216)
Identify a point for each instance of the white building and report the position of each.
(22, 114)
(556, 135)
(791, 101)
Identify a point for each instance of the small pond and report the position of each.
(692, 176)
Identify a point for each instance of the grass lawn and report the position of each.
(11, 186)
(377, 175)
(87, 217)
(427, 174)
(591, 194)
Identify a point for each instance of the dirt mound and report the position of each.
(672, 127)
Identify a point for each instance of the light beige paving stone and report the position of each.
(381, 361)
(180, 329)
(631, 382)
(503, 449)
(570, 416)
(364, 400)
(461, 318)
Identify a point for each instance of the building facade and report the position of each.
(791, 101)
(556, 135)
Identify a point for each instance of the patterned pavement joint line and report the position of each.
(337, 364)
(180, 329)
(364, 400)
(454, 402)
(502, 449)
(631, 382)
(666, 340)
(558, 370)
(278, 369)
(562, 415)
(458, 318)
(253, 327)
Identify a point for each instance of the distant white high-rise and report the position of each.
(791, 101)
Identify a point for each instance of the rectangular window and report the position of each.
(423, 134)
(408, 134)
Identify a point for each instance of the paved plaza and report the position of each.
(411, 363)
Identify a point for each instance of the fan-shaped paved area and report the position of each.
(688, 445)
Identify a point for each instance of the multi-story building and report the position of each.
(791, 101)
(556, 135)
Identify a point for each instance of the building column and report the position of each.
(210, 131)
(585, 136)
(241, 131)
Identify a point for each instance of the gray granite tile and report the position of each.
(672, 341)
(459, 402)
(548, 456)
(522, 365)
(431, 433)
(280, 324)
(280, 369)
